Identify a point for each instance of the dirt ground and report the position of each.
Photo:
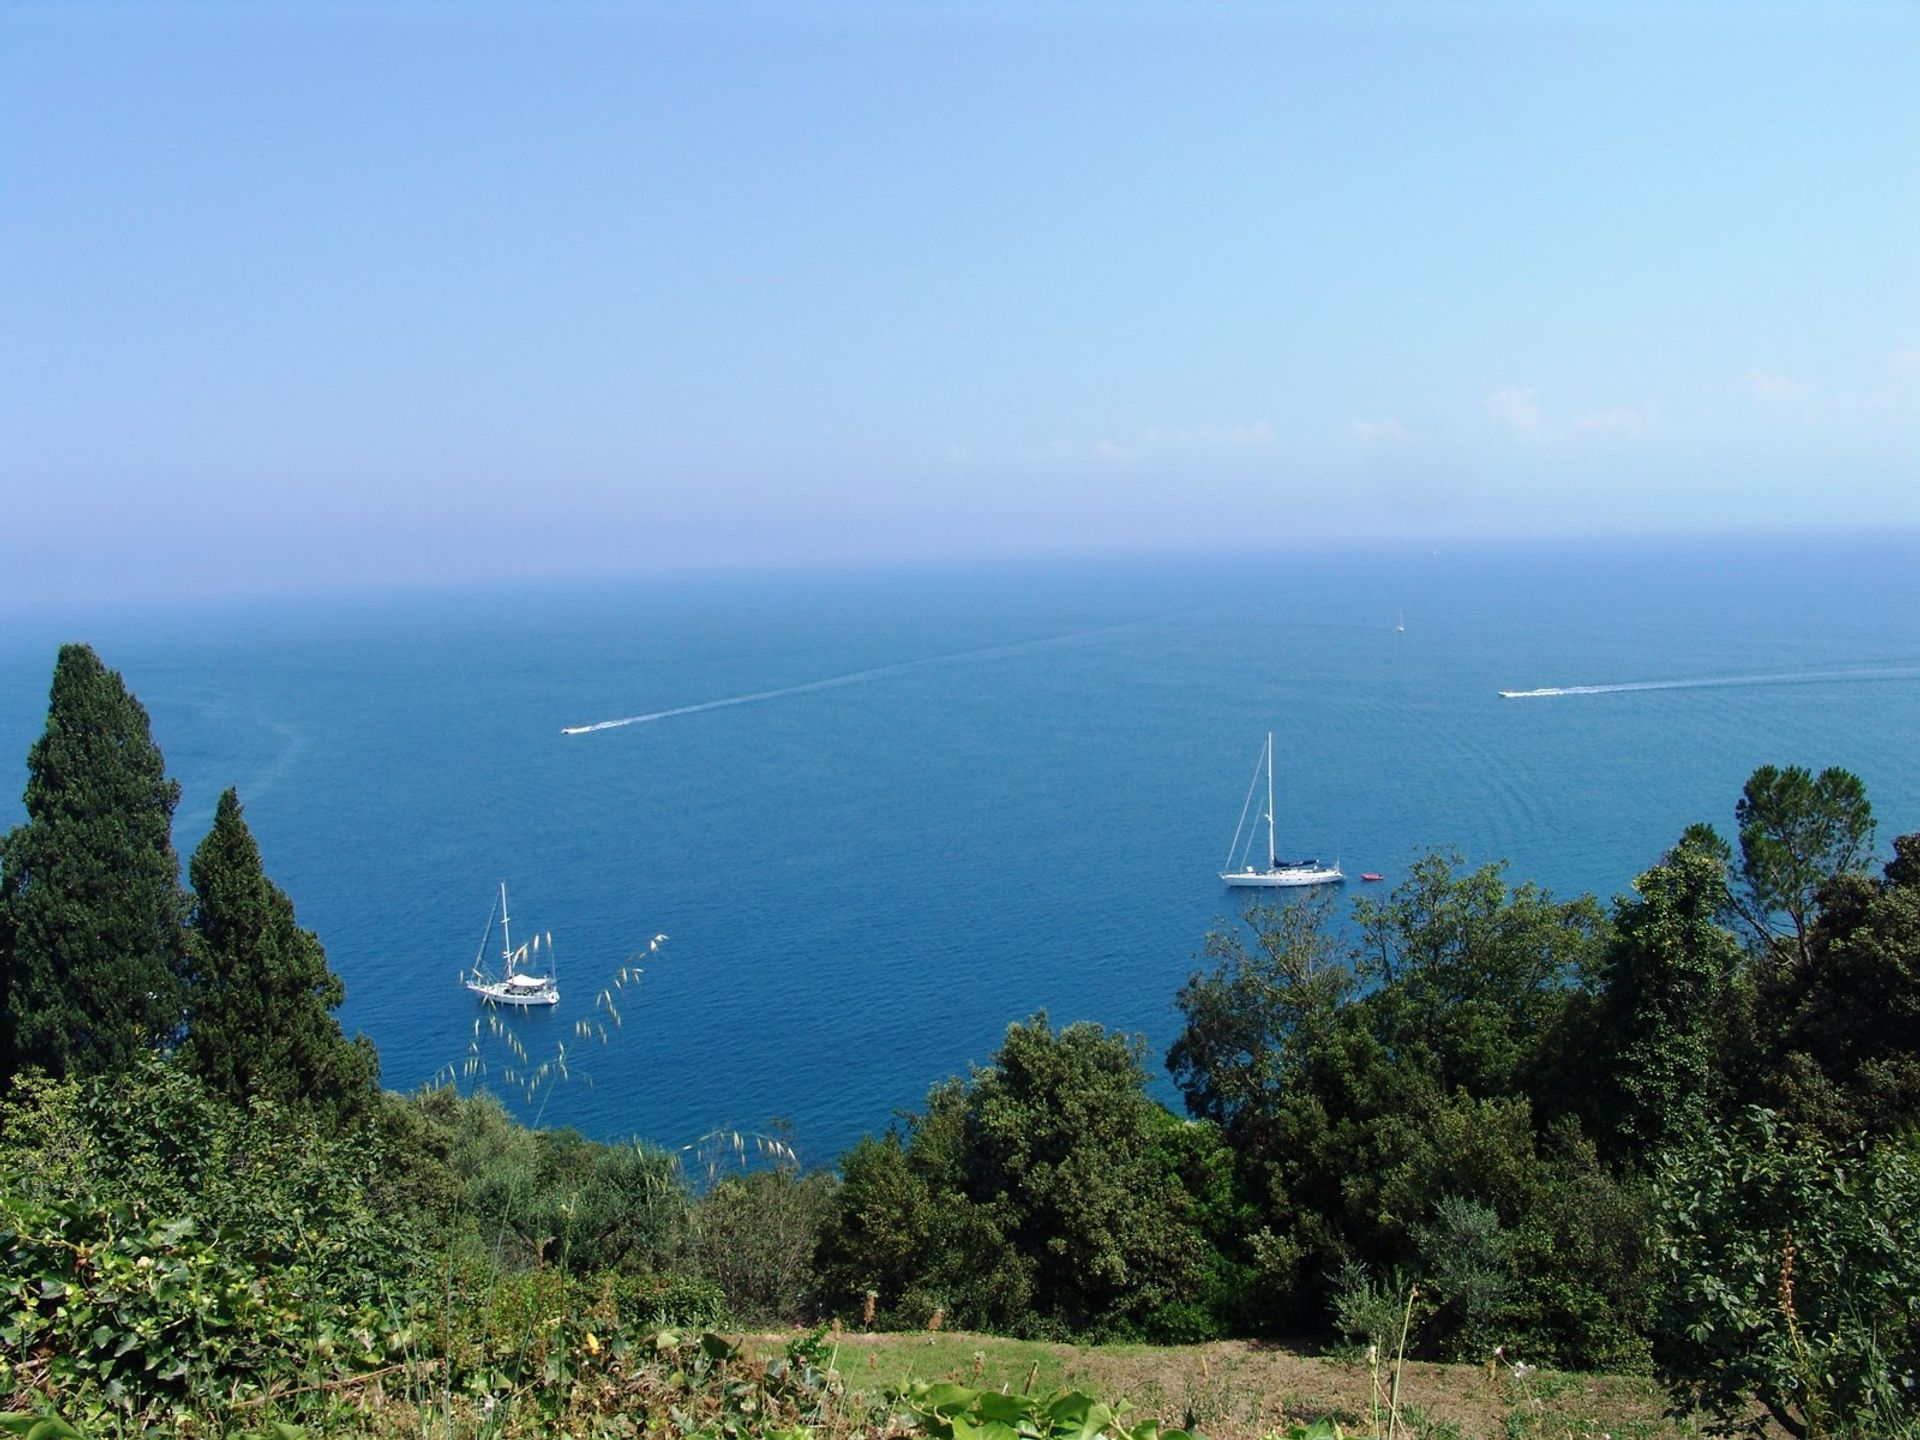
(1238, 1390)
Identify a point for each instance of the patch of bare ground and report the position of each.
(1242, 1390)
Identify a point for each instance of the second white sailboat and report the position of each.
(1277, 872)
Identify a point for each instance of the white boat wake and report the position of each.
(857, 677)
(1801, 677)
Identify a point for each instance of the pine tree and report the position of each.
(92, 944)
(1797, 831)
(260, 995)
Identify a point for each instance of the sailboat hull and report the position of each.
(1285, 877)
(499, 993)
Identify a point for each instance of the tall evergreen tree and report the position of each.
(91, 937)
(1671, 1000)
(260, 996)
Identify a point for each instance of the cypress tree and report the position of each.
(92, 943)
(260, 995)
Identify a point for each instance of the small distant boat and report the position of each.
(1371, 875)
(518, 983)
(1401, 624)
(1278, 872)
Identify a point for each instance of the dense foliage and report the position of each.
(1547, 1122)
(1675, 1133)
(1793, 1278)
(166, 1251)
(1403, 1109)
(92, 934)
(1045, 1194)
(259, 994)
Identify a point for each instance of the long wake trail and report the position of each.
(857, 677)
(1801, 677)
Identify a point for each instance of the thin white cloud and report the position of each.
(1773, 387)
(1209, 437)
(1163, 441)
(1220, 444)
(1377, 430)
(1519, 408)
(1906, 361)
(1620, 420)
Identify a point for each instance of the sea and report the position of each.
(882, 814)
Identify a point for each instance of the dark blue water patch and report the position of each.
(1027, 808)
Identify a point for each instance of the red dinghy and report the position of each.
(1371, 875)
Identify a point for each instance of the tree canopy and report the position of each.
(92, 940)
(1042, 1194)
(1673, 988)
(1796, 831)
(260, 996)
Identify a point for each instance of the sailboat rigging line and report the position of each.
(480, 955)
(859, 677)
(1252, 785)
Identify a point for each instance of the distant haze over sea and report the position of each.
(881, 815)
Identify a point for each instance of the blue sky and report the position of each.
(347, 295)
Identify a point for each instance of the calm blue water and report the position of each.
(865, 884)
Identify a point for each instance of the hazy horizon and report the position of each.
(357, 297)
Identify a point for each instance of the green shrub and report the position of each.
(1793, 1281)
(1180, 1322)
(678, 1301)
(1468, 1261)
(1371, 1313)
(754, 1235)
(162, 1251)
(1586, 1261)
(1044, 1195)
(107, 1313)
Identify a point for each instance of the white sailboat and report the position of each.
(1278, 872)
(518, 984)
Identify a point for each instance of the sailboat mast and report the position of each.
(506, 935)
(1273, 855)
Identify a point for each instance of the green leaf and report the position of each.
(943, 1398)
(38, 1427)
(1007, 1409)
(1071, 1410)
